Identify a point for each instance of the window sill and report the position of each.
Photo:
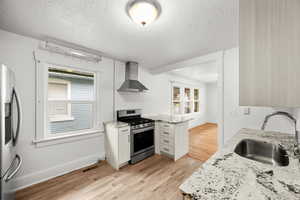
(68, 138)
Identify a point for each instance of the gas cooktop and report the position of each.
(136, 121)
(133, 117)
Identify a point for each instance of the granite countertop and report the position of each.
(116, 124)
(170, 120)
(228, 176)
(173, 121)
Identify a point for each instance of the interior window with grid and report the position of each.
(185, 100)
(71, 100)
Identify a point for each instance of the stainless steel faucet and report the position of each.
(288, 115)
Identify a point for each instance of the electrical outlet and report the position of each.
(247, 111)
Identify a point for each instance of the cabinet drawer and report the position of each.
(166, 127)
(168, 134)
(124, 130)
(167, 149)
(166, 141)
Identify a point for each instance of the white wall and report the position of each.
(234, 119)
(212, 102)
(157, 99)
(45, 162)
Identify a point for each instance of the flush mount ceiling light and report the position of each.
(143, 12)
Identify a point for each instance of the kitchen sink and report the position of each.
(262, 152)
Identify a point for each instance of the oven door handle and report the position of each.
(142, 130)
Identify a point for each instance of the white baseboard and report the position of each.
(43, 175)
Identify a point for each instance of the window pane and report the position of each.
(65, 88)
(57, 90)
(176, 94)
(187, 94)
(196, 94)
(196, 107)
(176, 108)
(57, 108)
(187, 107)
(80, 118)
(82, 89)
(70, 84)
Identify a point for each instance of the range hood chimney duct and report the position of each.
(131, 83)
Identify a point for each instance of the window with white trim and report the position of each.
(67, 101)
(185, 100)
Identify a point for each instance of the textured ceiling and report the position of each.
(185, 29)
(207, 72)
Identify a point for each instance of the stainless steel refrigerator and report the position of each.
(10, 115)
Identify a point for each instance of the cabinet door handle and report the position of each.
(125, 130)
(166, 149)
(166, 133)
(166, 141)
(166, 126)
(128, 138)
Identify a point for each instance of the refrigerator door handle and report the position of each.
(15, 171)
(16, 135)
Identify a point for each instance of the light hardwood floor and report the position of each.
(156, 178)
(203, 141)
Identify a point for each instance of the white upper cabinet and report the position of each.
(269, 53)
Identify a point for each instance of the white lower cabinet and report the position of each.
(172, 139)
(124, 145)
(117, 145)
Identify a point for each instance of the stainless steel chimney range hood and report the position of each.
(131, 83)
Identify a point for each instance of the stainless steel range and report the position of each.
(142, 134)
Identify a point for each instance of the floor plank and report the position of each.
(156, 178)
(203, 141)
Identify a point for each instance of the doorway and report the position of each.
(205, 130)
(203, 141)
